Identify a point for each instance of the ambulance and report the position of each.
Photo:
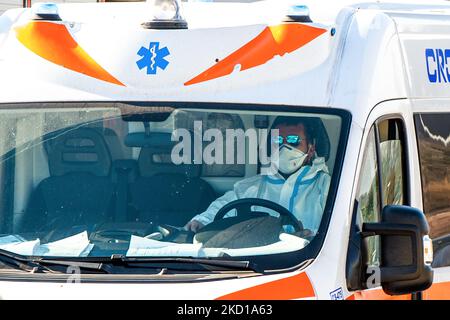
(135, 140)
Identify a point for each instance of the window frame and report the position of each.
(405, 157)
(273, 263)
(374, 130)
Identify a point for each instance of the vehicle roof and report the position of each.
(232, 14)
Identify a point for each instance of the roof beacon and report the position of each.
(45, 11)
(166, 15)
(298, 13)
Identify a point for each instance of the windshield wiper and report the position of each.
(184, 264)
(34, 265)
(17, 261)
(121, 264)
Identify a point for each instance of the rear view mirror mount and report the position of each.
(146, 114)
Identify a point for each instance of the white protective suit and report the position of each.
(304, 193)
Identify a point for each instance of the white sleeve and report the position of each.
(208, 216)
(325, 188)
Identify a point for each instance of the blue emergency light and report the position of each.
(298, 13)
(45, 11)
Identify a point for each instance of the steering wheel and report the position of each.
(243, 207)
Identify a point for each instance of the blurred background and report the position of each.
(337, 4)
(9, 4)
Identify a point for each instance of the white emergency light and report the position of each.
(428, 250)
(45, 11)
(298, 13)
(166, 15)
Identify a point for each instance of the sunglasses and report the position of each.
(293, 140)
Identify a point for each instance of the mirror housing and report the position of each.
(403, 267)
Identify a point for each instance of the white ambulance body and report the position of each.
(383, 70)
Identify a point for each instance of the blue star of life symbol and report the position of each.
(153, 58)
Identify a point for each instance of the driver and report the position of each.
(301, 184)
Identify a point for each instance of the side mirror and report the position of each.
(403, 267)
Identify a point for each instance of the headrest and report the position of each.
(155, 157)
(78, 150)
(316, 130)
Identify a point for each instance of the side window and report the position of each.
(368, 196)
(382, 179)
(433, 135)
(391, 148)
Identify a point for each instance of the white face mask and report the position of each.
(291, 159)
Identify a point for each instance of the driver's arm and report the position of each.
(208, 216)
(247, 188)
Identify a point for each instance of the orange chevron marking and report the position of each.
(53, 42)
(272, 41)
(295, 287)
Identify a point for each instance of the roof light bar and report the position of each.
(166, 15)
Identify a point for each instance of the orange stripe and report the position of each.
(377, 294)
(438, 291)
(53, 42)
(273, 41)
(295, 287)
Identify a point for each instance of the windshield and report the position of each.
(199, 181)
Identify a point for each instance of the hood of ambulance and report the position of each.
(241, 53)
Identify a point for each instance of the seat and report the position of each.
(79, 191)
(165, 193)
(113, 142)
